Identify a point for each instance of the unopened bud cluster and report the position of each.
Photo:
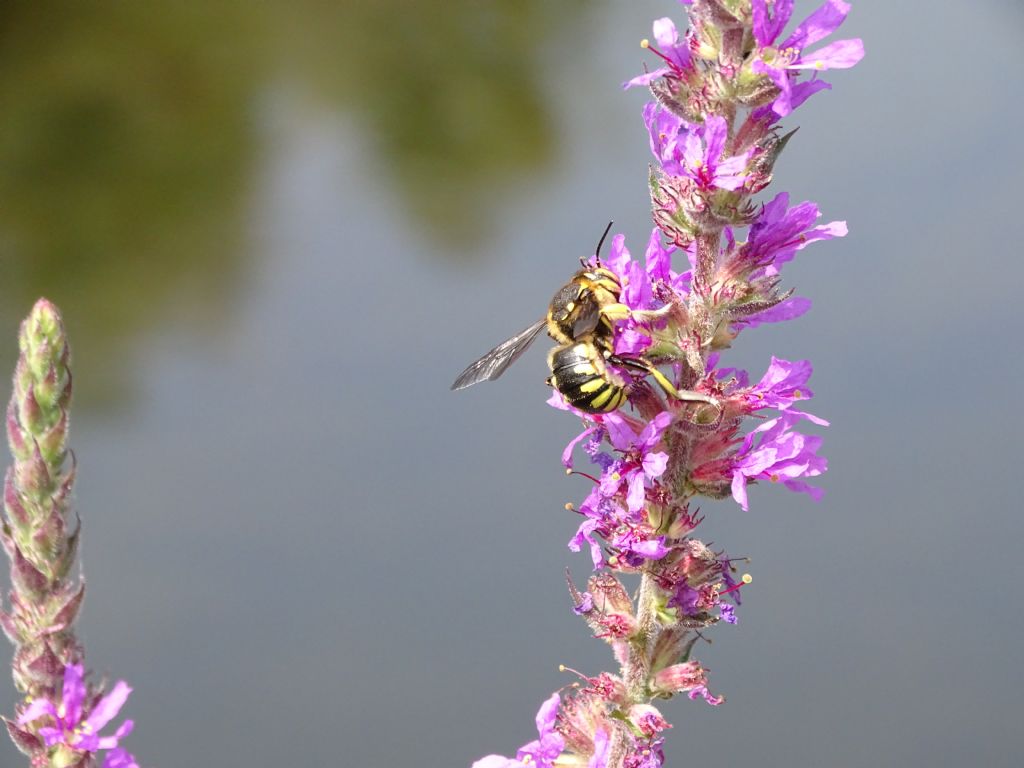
(58, 721)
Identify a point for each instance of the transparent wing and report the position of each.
(586, 321)
(493, 364)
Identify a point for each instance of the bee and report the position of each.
(581, 320)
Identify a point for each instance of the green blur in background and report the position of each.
(131, 137)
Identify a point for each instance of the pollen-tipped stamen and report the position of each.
(645, 43)
(582, 474)
(744, 581)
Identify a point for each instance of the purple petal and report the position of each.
(620, 433)
(787, 310)
(618, 255)
(586, 604)
(665, 33)
(783, 104)
(657, 259)
(734, 165)
(693, 152)
(611, 480)
(37, 709)
(119, 758)
(547, 713)
(491, 761)
(842, 54)
(739, 489)
(652, 549)
(51, 735)
(809, 416)
(636, 293)
(655, 464)
(801, 92)
(602, 744)
(586, 533)
(716, 131)
(567, 453)
(701, 690)
(108, 707)
(643, 80)
(801, 487)
(651, 434)
(73, 693)
(631, 342)
(795, 373)
(557, 401)
(636, 495)
(124, 729)
(766, 29)
(819, 25)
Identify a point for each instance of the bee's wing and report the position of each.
(586, 320)
(494, 363)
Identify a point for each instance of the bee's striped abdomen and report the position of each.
(579, 374)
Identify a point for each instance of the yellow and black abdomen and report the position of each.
(579, 373)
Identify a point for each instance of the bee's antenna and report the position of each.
(597, 253)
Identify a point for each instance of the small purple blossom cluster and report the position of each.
(714, 133)
(72, 735)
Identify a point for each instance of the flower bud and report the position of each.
(679, 678)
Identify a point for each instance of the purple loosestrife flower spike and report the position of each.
(39, 530)
(719, 91)
(59, 721)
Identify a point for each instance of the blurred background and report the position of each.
(279, 230)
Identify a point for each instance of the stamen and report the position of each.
(645, 43)
(744, 580)
(580, 675)
(584, 474)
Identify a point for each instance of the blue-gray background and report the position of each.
(279, 230)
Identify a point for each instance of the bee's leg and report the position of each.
(616, 312)
(652, 314)
(663, 382)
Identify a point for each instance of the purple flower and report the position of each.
(664, 282)
(695, 151)
(540, 753)
(687, 599)
(585, 605)
(594, 432)
(640, 462)
(783, 384)
(702, 691)
(77, 729)
(674, 51)
(586, 534)
(624, 531)
(781, 455)
(646, 755)
(780, 231)
(728, 613)
(783, 61)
